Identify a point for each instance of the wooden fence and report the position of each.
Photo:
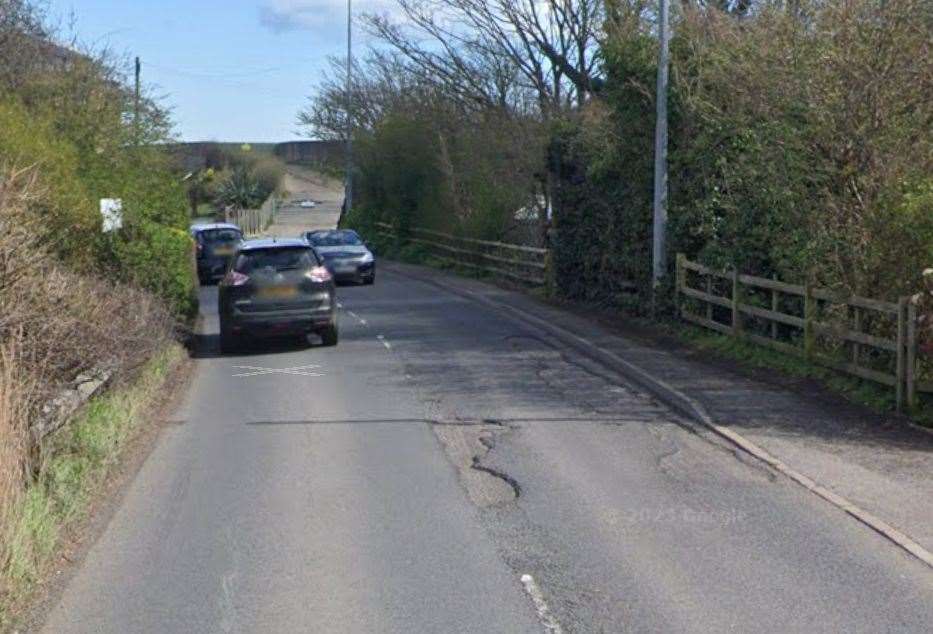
(821, 325)
(517, 262)
(254, 221)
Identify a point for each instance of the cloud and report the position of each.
(281, 16)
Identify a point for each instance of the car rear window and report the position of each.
(221, 235)
(277, 259)
(334, 238)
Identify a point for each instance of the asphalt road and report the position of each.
(447, 469)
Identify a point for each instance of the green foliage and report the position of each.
(798, 147)
(240, 190)
(242, 177)
(64, 205)
(71, 127)
(427, 163)
(158, 259)
(399, 180)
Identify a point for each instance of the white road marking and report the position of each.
(339, 305)
(357, 317)
(384, 342)
(301, 370)
(544, 615)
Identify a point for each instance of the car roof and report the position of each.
(273, 243)
(215, 225)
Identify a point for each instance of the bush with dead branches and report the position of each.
(54, 325)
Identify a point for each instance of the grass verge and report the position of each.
(873, 396)
(78, 460)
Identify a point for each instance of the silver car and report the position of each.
(345, 255)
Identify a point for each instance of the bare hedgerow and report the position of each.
(55, 325)
(70, 323)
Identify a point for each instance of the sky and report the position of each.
(231, 70)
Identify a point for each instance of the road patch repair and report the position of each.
(466, 443)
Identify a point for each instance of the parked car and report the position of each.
(307, 204)
(345, 254)
(276, 287)
(215, 245)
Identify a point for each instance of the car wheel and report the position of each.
(329, 336)
(371, 279)
(228, 342)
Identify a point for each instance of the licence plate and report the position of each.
(223, 251)
(345, 268)
(278, 292)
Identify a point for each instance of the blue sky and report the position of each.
(232, 70)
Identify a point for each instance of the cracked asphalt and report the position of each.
(470, 476)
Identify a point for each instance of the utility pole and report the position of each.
(136, 102)
(660, 153)
(348, 192)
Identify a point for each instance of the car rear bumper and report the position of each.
(283, 321)
(360, 272)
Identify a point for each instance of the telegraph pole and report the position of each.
(348, 192)
(660, 152)
(136, 102)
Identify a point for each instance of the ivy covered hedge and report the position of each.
(799, 146)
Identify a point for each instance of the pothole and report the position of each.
(465, 446)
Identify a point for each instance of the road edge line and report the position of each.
(693, 409)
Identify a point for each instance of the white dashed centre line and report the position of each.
(357, 317)
(544, 615)
(384, 342)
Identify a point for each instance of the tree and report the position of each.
(547, 46)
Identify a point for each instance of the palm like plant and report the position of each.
(240, 190)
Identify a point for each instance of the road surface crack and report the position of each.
(466, 443)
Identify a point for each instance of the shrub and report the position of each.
(799, 146)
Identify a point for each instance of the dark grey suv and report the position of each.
(276, 287)
(216, 244)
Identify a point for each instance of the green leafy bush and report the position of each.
(159, 259)
(799, 146)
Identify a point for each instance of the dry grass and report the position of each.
(16, 396)
(55, 323)
(64, 316)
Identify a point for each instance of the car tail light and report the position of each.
(200, 249)
(235, 278)
(320, 274)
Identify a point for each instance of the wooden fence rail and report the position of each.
(893, 350)
(515, 261)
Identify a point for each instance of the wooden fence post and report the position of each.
(774, 307)
(901, 345)
(679, 282)
(911, 377)
(856, 348)
(736, 298)
(809, 306)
